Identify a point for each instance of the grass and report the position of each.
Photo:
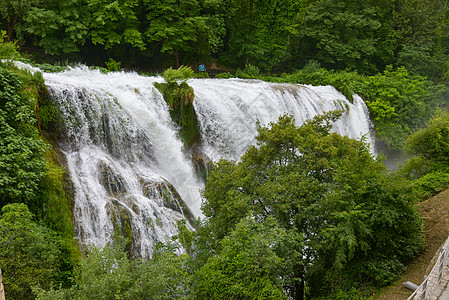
(435, 212)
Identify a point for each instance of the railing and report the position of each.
(427, 288)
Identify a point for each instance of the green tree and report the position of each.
(342, 34)
(108, 273)
(258, 32)
(12, 11)
(399, 103)
(250, 263)
(430, 149)
(177, 25)
(423, 33)
(432, 142)
(29, 253)
(357, 221)
(115, 23)
(165, 276)
(58, 27)
(22, 165)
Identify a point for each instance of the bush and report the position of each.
(202, 75)
(8, 50)
(29, 252)
(224, 75)
(113, 66)
(182, 73)
(398, 102)
(430, 184)
(250, 72)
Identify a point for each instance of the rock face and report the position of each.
(201, 163)
(111, 181)
(126, 212)
(170, 198)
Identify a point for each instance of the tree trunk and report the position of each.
(298, 289)
(11, 24)
(177, 58)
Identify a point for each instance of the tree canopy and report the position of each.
(29, 253)
(276, 36)
(356, 220)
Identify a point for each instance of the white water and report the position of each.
(119, 125)
(228, 110)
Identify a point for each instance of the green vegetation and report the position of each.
(179, 96)
(37, 246)
(273, 36)
(357, 222)
(29, 254)
(305, 214)
(21, 150)
(109, 274)
(429, 165)
(113, 66)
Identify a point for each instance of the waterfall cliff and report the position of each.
(131, 173)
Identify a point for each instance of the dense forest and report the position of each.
(275, 36)
(305, 214)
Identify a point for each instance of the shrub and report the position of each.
(430, 184)
(113, 66)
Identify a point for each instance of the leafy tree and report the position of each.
(259, 31)
(165, 276)
(28, 252)
(422, 30)
(12, 11)
(58, 27)
(399, 103)
(342, 33)
(176, 25)
(114, 23)
(108, 273)
(357, 221)
(21, 152)
(432, 142)
(251, 263)
(429, 166)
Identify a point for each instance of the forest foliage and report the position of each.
(302, 210)
(36, 244)
(279, 36)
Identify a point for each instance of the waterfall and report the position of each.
(125, 160)
(228, 111)
(130, 171)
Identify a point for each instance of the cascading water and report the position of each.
(228, 111)
(127, 163)
(124, 158)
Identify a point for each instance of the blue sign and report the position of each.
(202, 68)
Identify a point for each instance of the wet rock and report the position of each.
(202, 164)
(122, 220)
(111, 181)
(171, 199)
